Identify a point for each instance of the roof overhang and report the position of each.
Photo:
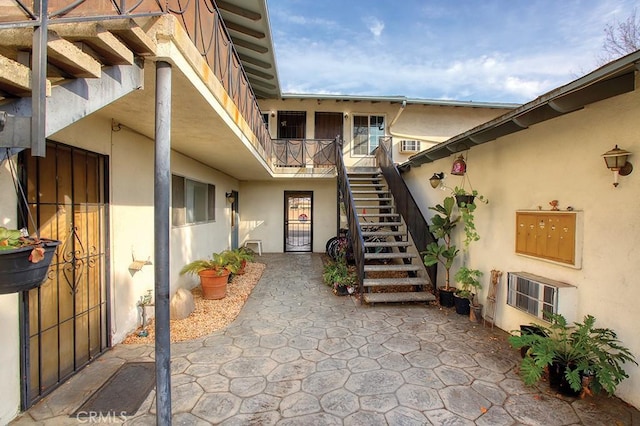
(247, 22)
(612, 79)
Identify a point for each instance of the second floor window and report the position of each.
(292, 124)
(367, 131)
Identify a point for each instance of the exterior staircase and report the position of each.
(393, 270)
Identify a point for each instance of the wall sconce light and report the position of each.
(230, 197)
(273, 113)
(459, 167)
(436, 179)
(616, 160)
(346, 115)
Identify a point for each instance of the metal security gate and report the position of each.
(298, 221)
(66, 320)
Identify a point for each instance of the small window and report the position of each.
(409, 146)
(539, 296)
(192, 201)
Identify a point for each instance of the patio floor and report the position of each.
(298, 355)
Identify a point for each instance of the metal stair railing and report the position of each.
(405, 204)
(355, 234)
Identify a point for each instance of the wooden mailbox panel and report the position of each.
(547, 235)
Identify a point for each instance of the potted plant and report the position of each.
(24, 260)
(241, 257)
(466, 202)
(214, 273)
(468, 286)
(340, 277)
(442, 250)
(579, 357)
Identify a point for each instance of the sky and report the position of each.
(467, 50)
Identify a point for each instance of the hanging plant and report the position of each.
(24, 261)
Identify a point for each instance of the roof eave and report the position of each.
(612, 79)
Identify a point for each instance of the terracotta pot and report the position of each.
(241, 270)
(475, 314)
(214, 286)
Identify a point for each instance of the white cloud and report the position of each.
(489, 62)
(376, 26)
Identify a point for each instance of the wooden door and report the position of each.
(68, 319)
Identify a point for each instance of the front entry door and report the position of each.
(298, 221)
(66, 319)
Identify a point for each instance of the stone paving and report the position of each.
(298, 355)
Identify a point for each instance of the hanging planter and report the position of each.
(24, 262)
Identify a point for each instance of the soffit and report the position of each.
(247, 22)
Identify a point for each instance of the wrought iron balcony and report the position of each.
(201, 19)
(309, 153)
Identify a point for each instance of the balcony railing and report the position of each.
(316, 153)
(200, 19)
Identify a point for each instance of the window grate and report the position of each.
(539, 296)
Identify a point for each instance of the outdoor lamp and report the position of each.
(436, 179)
(459, 167)
(616, 160)
(230, 197)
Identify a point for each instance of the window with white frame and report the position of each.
(191, 201)
(367, 131)
(539, 296)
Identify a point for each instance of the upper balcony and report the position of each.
(230, 46)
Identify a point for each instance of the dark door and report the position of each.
(67, 319)
(298, 221)
(329, 125)
(235, 222)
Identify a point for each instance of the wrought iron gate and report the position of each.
(66, 319)
(298, 221)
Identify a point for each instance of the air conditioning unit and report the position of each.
(540, 296)
(409, 146)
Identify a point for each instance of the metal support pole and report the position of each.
(161, 264)
(39, 80)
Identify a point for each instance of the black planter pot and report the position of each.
(462, 305)
(530, 329)
(445, 297)
(464, 200)
(17, 273)
(558, 380)
(341, 291)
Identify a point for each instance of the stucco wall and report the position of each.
(560, 159)
(9, 336)
(431, 123)
(262, 211)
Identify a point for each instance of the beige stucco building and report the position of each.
(236, 168)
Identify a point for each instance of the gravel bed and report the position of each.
(209, 315)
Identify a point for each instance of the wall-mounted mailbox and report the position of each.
(550, 235)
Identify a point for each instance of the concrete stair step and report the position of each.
(392, 268)
(355, 199)
(386, 282)
(379, 224)
(387, 244)
(383, 234)
(392, 255)
(420, 296)
(390, 215)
